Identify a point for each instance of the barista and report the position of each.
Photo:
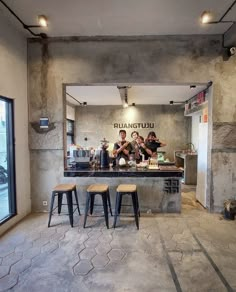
(143, 149)
(122, 148)
(134, 144)
(152, 143)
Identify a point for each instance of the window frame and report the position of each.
(11, 169)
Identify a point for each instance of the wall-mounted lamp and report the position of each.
(42, 20)
(84, 103)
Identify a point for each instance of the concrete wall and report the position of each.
(97, 122)
(165, 59)
(13, 84)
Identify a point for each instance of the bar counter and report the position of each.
(164, 171)
(159, 190)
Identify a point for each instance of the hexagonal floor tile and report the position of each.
(105, 238)
(103, 248)
(100, 261)
(87, 254)
(4, 270)
(12, 259)
(116, 255)
(83, 268)
(91, 242)
(32, 252)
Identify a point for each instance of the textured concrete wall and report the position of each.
(97, 122)
(167, 59)
(13, 84)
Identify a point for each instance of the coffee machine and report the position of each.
(104, 154)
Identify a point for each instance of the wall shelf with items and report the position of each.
(196, 103)
(190, 112)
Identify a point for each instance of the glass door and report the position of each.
(7, 161)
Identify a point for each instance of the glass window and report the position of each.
(7, 161)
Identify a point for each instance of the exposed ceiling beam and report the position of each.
(230, 36)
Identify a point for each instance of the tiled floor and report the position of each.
(193, 251)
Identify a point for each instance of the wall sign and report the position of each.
(134, 125)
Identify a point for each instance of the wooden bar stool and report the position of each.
(92, 191)
(125, 189)
(59, 190)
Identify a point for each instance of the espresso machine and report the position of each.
(104, 154)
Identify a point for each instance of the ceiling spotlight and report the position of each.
(192, 86)
(84, 103)
(133, 103)
(206, 17)
(42, 20)
(171, 102)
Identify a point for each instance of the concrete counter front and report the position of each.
(158, 190)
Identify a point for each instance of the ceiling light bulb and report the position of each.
(125, 105)
(42, 20)
(206, 17)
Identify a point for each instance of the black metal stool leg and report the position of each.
(136, 194)
(60, 196)
(70, 206)
(92, 198)
(120, 203)
(116, 208)
(51, 208)
(77, 201)
(109, 201)
(134, 199)
(86, 208)
(105, 207)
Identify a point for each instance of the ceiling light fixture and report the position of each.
(84, 103)
(207, 16)
(192, 86)
(41, 19)
(124, 95)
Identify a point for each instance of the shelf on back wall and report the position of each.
(197, 108)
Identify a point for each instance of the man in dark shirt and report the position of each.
(122, 148)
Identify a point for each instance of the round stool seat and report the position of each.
(64, 187)
(126, 188)
(98, 188)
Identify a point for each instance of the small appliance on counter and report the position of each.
(82, 158)
(104, 154)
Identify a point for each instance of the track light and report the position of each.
(207, 16)
(84, 103)
(176, 102)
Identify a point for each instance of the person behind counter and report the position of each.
(143, 149)
(134, 145)
(152, 143)
(122, 148)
